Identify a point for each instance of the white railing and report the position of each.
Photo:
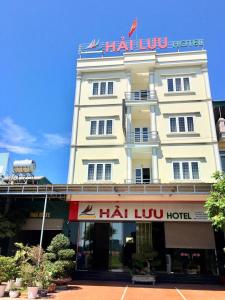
(142, 137)
(140, 96)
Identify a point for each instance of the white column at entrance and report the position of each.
(129, 165)
(151, 84)
(155, 172)
(74, 131)
(153, 121)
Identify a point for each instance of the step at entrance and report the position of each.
(101, 276)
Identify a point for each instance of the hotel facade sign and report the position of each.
(148, 44)
(83, 211)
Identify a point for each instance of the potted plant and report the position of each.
(29, 274)
(60, 259)
(8, 271)
(14, 291)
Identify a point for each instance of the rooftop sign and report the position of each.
(149, 44)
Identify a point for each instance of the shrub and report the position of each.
(60, 257)
(8, 268)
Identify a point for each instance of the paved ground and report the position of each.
(113, 291)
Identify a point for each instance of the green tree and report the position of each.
(215, 204)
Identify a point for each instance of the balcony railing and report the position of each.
(138, 180)
(142, 137)
(140, 96)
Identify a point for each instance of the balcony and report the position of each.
(220, 128)
(141, 96)
(139, 180)
(144, 137)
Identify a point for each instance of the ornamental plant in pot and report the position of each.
(29, 275)
(14, 291)
(8, 271)
(60, 259)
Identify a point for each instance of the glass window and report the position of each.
(138, 175)
(101, 126)
(93, 127)
(170, 84)
(176, 170)
(95, 88)
(195, 172)
(178, 84)
(185, 167)
(173, 125)
(110, 87)
(186, 84)
(190, 124)
(107, 171)
(181, 124)
(137, 135)
(99, 175)
(91, 168)
(222, 157)
(103, 88)
(109, 127)
(145, 134)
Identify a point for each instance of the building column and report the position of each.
(155, 171)
(74, 131)
(212, 120)
(153, 126)
(151, 84)
(129, 165)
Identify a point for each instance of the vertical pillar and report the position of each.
(74, 132)
(153, 126)
(155, 171)
(151, 84)
(129, 165)
(212, 120)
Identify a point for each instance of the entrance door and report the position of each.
(101, 237)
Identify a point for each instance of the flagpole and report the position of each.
(136, 36)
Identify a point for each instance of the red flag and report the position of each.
(133, 27)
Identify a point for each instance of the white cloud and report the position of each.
(55, 140)
(17, 139)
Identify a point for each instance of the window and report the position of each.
(109, 127)
(103, 88)
(101, 127)
(95, 88)
(91, 171)
(99, 171)
(181, 124)
(178, 84)
(110, 87)
(222, 158)
(185, 170)
(93, 127)
(170, 85)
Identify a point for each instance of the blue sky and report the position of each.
(39, 40)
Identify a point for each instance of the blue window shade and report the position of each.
(110, 87)
(107, 171)
(186, 173)
(103, 88)
(190, 124)
(99, 175)
(195, 171)
(181, 124)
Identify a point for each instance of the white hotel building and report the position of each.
(143, 122)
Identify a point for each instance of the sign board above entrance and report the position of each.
(83, 211)
(149, 44)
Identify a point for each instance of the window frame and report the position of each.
(99, 88)
(103, 171)
(174, 85)
(181, 170)
(185, 124)
(97, 127)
